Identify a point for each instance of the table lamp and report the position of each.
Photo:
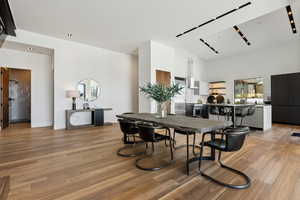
(73, 94)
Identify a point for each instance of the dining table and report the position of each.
(181, 122)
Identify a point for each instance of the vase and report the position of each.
(161, 110)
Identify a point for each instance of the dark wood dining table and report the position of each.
(191, 124)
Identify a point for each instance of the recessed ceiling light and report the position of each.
(291, 18)
(242, 35)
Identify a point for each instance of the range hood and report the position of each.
(190, 79)
(192, 83)
(7, 24)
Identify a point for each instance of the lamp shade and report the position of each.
(72, 93)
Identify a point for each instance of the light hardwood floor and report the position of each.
(82, 164)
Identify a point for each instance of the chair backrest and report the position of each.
(251, 110)
(235, 138)
(222, 110)
(213, 110)
(242, 112)
(146, 132)
(127, 127)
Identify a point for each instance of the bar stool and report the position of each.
(242, 113)
(148, 135)
(233, 141)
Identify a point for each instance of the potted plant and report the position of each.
(161, 94)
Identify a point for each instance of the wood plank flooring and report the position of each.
(82, 165)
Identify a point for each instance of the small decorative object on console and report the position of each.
(73, 94)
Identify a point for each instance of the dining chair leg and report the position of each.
(166, 133)
(187, 155)
(244, 176)
(129, 144)
(194, 143)
(133, 146)
(170, 143)
(219, 156)
(174, 141)
(213, 150)
(152, 143)
(237, 172)
(201, 152)
(139, 166)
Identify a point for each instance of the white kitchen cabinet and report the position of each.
(261, 119)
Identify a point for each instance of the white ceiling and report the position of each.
(123, 25)
(268, 30)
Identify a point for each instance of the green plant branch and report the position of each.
(161, 93)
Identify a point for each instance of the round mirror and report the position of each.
(89, 89)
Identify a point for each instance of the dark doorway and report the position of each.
(16, 96)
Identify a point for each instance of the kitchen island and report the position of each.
(261, 119)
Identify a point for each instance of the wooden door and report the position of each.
(4, 98)
(164, 78)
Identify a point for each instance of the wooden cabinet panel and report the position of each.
(294, 89)
(285, 91)
(286, 114)
(280, 90)
(4, 95)
(280, 114)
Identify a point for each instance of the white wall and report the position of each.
(144, 75)
(41, 82)
(277, 59)
(116, 73)
(156, 56)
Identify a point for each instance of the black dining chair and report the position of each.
(130, 136)
(231, 140)
(242, 113)
(187, 145)
(222, 110)
(213, 110)
(147, 132)
(251, 110)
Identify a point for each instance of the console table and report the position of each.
(97, 115)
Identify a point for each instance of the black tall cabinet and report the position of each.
(285, 91)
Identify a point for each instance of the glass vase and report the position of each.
(161, 110)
